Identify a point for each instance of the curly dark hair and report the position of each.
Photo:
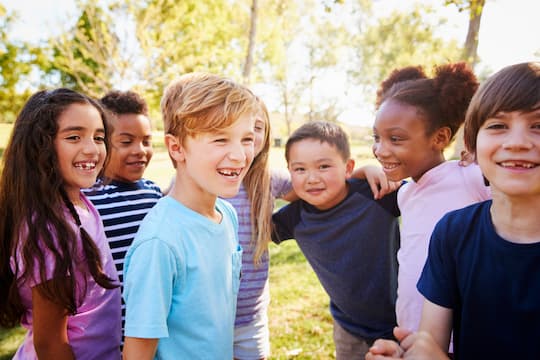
(442, 100)
(124, 102)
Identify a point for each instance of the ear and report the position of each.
(349, 168)
(441, 138)
(174, 147)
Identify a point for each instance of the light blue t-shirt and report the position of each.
(181, 281)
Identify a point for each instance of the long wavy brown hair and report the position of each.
(257, 183)
(33, 206)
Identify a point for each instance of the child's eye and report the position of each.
(298, 169)
(147, 142)
(99, 139)
(248, 140)
(324, 166)
(73, 137)
(220, 140)
(496, 126)
(376, 138)
(125, 142)
(395, 138)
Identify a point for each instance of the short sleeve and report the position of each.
(280, 182)
(150, 273)
(438, 279)
(284, 221)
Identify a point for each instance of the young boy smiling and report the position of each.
(183, 269)
(122, 197)
(349, 239)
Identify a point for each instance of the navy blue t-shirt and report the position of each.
(352, 249)
(492, 285)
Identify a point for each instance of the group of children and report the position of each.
(192, 266)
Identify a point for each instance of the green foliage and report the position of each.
(15, 65)
(177, 37)
(87, 58)
(399, 40)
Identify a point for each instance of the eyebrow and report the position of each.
(78, 128)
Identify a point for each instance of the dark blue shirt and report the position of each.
(352, 249)
(492, 286)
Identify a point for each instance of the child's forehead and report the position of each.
(321, 146)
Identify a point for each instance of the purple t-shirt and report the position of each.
(95, 331)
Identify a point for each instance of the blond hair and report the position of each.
(258, 188)
(201, 102)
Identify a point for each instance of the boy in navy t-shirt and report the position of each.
(349, 239)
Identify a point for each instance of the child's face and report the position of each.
(260, 131)
(319, 173)
(401, 144)
(508, 152)
(131, 147)
(215, 163)
(80, 147)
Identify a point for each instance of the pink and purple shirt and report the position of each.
(94, 332)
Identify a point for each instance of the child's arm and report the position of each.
(437, 320)
(376, 179)
(50, 328)
(139, 348)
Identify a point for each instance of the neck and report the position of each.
(195, 199)
(516, 218)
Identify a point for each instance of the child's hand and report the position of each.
(421, 346)
(466, 158)
(377, 180)
(385, 350)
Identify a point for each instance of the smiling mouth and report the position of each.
(230, 172)
(518, 164)
(88, 165)
(389, 166)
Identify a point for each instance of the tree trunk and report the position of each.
(471, 43)
(246, 73)
(470, 55)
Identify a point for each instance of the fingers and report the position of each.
(388, 349)
(401, 333)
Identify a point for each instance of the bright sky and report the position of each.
(509, 31)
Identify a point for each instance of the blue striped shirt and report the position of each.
(122, 206)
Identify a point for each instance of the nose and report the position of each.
(312, 177)
(138, 149)
(517, 139)
(90, 147)
(238, 152)
(379, 150)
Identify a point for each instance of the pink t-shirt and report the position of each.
(444, 188)
(95, 331)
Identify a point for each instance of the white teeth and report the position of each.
(229, 172)
(525, 165)
(86, 165)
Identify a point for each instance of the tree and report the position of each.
(399, 40)
(475, 9)
(251, 42)
(470, 54)
(15, 65)
(89, 57)
(177, 37)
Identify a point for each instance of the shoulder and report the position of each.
(149, 184)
